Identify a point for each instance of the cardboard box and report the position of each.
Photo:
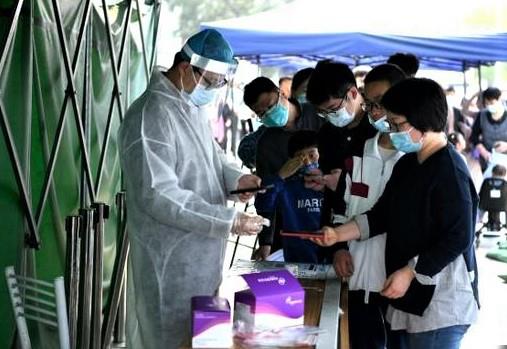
(274, 299)
(211, 322)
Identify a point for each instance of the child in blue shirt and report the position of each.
(299, 205)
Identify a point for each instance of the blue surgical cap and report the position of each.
(210, 44)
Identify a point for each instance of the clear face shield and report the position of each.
(211, 76)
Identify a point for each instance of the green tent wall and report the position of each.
(33, 82)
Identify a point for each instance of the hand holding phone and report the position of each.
(252, 189)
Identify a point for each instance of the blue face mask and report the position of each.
(381, 124)
(492, 108)
(403, 142)
(302, 98)
(201, 96)
(277, 116)
(311, 166)
(340, 117)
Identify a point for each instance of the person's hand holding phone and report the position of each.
(245, 182)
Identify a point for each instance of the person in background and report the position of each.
(489, 131)
(178, 182)
(332, 90)
(280, 116)
(284, 84)
(300, 84)
(298, 92)
(493, 196)
(261, 93)
(363, 182)
(408, 62)
(300, 206)
(458, 140)
(360, 73)
(427, 211)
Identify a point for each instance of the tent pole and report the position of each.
(85, 303)
(71, 89)
(479, 72)
(114, 97)
(143, 45)
(85, 112)
(102, 213)
(72, 269)
(112, 57)
(156, 18)
(464, 79)
(62, 118)
(32, 238)
(118, 276)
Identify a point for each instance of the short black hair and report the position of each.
(255, 88)
(406, 61)
(178, 58)
(301, 139)
(499, 170)
(300, 77)
(491, 93)
(422, 101)
(385, 72)
(329, 80)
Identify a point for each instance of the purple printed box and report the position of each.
(211, 322)
(275, 299)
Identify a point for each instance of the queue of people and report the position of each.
(371, 168)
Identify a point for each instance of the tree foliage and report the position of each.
(194, 12)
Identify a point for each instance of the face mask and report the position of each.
(492, 108)
(311, 166)
(340, 117)
(302, 98)
(201, 96)
(381, 124)
(403, 142)
(277, 116)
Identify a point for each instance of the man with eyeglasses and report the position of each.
(279, 116)
(178, 182)
(332, 90)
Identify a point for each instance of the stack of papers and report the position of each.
(299, 270)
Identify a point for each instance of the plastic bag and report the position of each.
(281, 337)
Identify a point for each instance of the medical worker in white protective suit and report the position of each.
(177, 183)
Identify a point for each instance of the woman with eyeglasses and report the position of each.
(428, 211)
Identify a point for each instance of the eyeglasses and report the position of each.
(209, 83)
(369, 106)
(261, 115)
(396, 127)
(324, 113)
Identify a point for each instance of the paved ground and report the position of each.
(490, 331)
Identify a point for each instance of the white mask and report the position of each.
(493, 108)
(340, 117)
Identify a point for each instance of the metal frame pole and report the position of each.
(71, 89)
(101, 214)
(118, 276)
(62, 118)
(72, 268)
(32, 238)
(143, 45)
(115, 96)
(85, 304)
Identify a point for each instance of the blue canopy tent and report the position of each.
(441, 33)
